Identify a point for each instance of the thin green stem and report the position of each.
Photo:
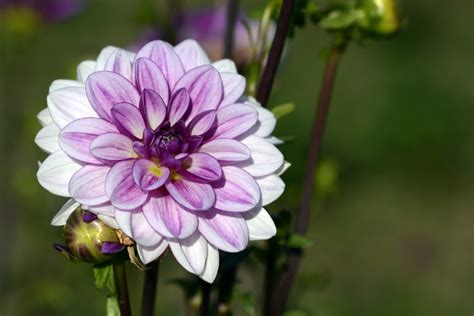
(149, 289)
(122, 288)
(287, 278)
(232, 13)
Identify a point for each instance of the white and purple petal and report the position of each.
(87, 185)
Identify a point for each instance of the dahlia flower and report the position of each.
(164, 146)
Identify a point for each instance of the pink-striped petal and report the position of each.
(203, 166)
(76, 138)
(204, 85)
(142, 232)
(105, 89)
(226, 231)
(148, 175)
(234, 87)
(226, 150)
(234, 120)
(113, 147)
(87, 185)
(103, 209)
(166, 58)
(191, 54)
(119, 62)
(192, 195)
(168, 217)
(149, 76)
(178, 106)
(153, 108)
(237, 191)
(129, 118)
(202, 123)
(122, 190)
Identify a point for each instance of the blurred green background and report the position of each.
(392, 223)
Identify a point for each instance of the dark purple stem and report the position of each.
(287, 278)
(122, 288)
(205, 298)
(149, 289)
(283, 26)
(232, 13)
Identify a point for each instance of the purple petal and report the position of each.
(119, 62)
(168, 217)
(148, 175)
(110, 248)
(129, 118)
(226, 150)
(204, 85)
(178, 106)
(113, 147)
(105, 89)
(202, 122)
(88, 217)
(166, 58)
(153, 108)
(234, 87)
(191, 54)
(122, 190)
(149, 76)
(203, 166)
(87, 185)
(75, 139)
(237, 191)
(226, 231)
(192, 195)
(234, 120)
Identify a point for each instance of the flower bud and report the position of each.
(381, 17)
(88, 239)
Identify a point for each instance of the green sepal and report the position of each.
(112, 306)
(283, 109)
(340, 19)
(104, 276)
(298, 241)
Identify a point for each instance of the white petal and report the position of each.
(283, 168)
(274, 140)
(124, 220)
(272, 187)
(69, 104)
(190, 252)
(149, 254)
(260, 224)
(266, 120)
(61, 217)
(191, 54)
(225, 65)
(47, 138)
(62, 83)
(55, 173)
(44, 117)
(212, 264)
(85, 69)
(265, 157)
(109, 221)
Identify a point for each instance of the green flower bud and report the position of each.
(88, 239)
(381, 17)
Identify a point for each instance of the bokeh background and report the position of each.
(392, 221)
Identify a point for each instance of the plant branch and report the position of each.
(287, 278)
(149, 289)
(268, 76)
(232, 13)
(122, 289)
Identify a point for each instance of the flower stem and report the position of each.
(287, 278)
(232, 13)
(229, 278)
(268, 76)
(122, 289)
(149, 289)
(205, 298)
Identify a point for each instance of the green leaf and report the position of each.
(339, 20)
(299, 241)
(283, 109)
(112, 306)
(295, 313)
(104, 277)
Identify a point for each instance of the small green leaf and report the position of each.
(112, 306)
(339, 20)
(104, 277)
(283, 109)
(299, 241)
